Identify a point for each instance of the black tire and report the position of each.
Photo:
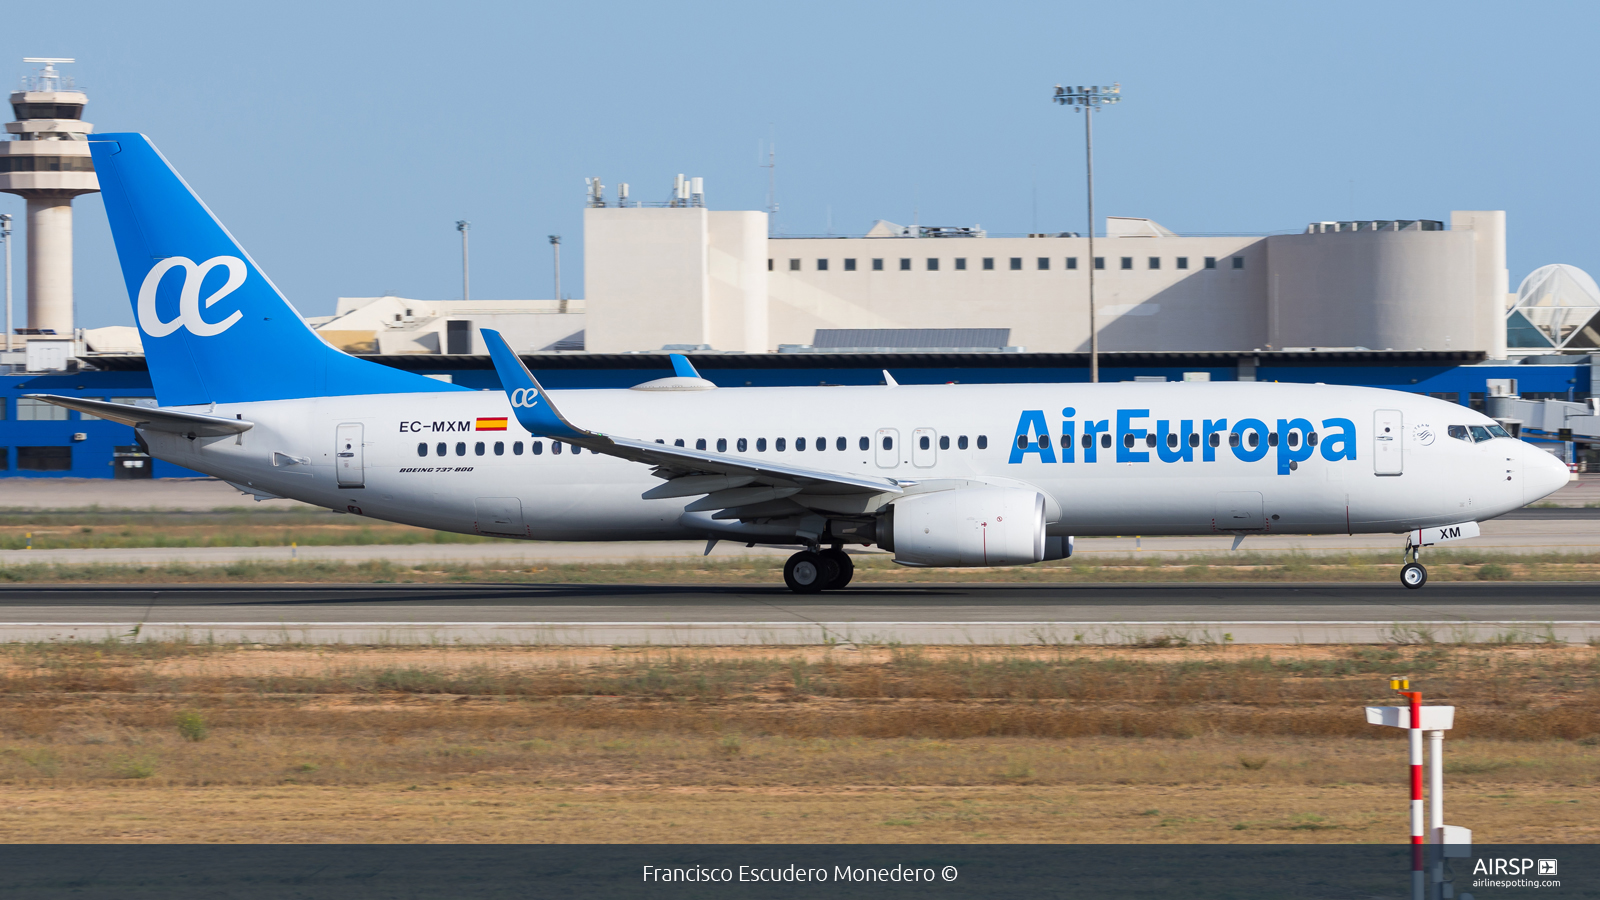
(1413, 575)
(808, 572)
(846, 568)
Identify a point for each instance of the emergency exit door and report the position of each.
(886, 443)
(347, 456)
(1387, 439)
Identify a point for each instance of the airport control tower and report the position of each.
(47, 161)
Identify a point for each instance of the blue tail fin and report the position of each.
(215, 330)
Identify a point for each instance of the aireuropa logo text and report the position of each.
(189, 303)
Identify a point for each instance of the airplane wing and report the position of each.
(154, 419)
(740, 487)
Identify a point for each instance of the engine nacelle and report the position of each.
(969, 527)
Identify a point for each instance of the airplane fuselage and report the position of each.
(1128, 458)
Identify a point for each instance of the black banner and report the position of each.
(1167, 872)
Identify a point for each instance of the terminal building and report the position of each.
(1420, 305)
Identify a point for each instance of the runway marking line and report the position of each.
(793, 624)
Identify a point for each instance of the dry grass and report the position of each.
(222, 528)
(195, 742)
(870, 569)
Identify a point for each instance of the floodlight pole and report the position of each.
(555, 246)
(1086, 101)
(463, 226)
(5, 235)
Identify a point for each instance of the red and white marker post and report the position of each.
(1435, 721)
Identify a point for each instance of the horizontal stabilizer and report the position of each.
(151, 419)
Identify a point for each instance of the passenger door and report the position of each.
(347, 456)
(887, 445)
(1387, 437)
(924, 447)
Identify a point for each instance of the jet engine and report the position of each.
(968, 527)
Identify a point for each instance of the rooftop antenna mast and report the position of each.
(771, 165)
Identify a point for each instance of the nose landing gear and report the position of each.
(1412, 574)
(812, 572)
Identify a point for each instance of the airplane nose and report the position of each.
(1542, 475)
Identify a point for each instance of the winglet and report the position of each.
(888, 379)
(682, 368)
(528, 399)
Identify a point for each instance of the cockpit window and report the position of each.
(1498, 431)
(1459, 432)
(1480, 433)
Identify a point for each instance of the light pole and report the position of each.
(5, 235)
(555, 247)
(463, 226)
(1086, 100)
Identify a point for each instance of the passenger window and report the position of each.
(1088, 441)
(555, 448)
(983, 442)
(1127, 440)
(779, 444)
(722, 445)
(1194, 439)
(1105, 440)
(1022, 442)
(961, 442)
(888, 442)
(1254, 440)
(1172, 440)
(743, 445)
(800, 443)
(1272, 439)
(678, 442)
(439, 449)
(1216, 439)
(461, 448)
(1311, 439)
(537, 447)
(1479, 433)
(944, 442)
(1294, 438)
(478, 448)
(1233, 439)
(761, 445)
(865, 443)
(700, 443)
(924, 443)
(841, 444)
(422, 449)
(499, 448)
(1044, 441)
(516, 449)
(1150, 439)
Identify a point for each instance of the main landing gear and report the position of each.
(812, 571)
(1412, 574)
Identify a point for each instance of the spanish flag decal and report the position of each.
(492, 424)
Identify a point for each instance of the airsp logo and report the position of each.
(189, 305)
(527, 398)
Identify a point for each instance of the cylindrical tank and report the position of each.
(1376, 288)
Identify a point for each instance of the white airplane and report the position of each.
(947, 475)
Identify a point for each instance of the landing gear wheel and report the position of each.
(841, 561)
(1413, 575)
(808, 572)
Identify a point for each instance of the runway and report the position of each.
(746, 615)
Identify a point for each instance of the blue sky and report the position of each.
(341, 141)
